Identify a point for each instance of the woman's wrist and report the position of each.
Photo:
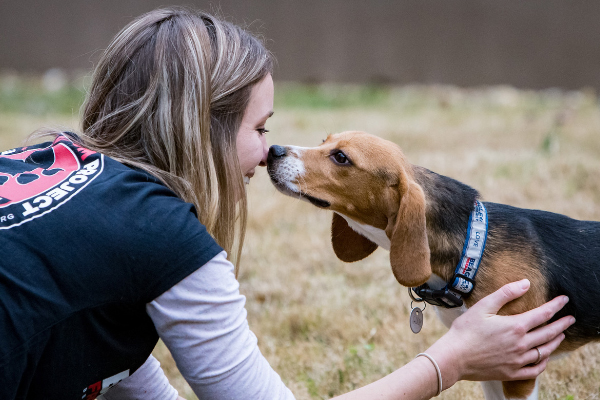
(450, 364)
(417, 380)
(437, 370)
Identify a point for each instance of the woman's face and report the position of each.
(251, 140)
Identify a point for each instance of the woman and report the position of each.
(120, 235)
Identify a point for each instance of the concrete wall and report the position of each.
(526, 43)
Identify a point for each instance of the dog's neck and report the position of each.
(448, 206)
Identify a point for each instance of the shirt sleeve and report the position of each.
(202, 320)
(147, 383)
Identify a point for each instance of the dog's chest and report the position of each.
(448, 315)
(375, 235)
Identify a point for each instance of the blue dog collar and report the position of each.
(463, 281)
(466, 269)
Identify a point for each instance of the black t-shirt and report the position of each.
(85, 243)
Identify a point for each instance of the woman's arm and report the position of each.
(203, 322)
(480, 345)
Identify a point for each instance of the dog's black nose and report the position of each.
(276, 152)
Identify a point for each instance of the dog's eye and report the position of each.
(339, 157)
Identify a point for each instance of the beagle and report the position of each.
(423, 219)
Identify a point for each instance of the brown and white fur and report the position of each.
(380, 199)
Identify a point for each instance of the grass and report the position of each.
(52, 94)
(328, 327)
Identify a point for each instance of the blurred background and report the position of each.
(528, 44)
(502, 95)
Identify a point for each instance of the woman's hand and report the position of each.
(482, 345)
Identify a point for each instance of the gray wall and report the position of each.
(526, 43)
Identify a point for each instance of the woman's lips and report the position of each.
(247, 177)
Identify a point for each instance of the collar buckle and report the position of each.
(438, 297)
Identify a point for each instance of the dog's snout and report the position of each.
(275, 152)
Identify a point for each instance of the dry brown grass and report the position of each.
(327, 327)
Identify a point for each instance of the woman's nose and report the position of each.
(263, 161)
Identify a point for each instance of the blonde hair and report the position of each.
(168, 96)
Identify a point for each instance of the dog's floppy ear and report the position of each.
(348, 245)
(409, 249)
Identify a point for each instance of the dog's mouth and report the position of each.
(283, 187)
(315, 201)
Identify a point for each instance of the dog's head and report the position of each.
(368, 181)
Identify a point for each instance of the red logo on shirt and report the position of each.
(35, 180)
(39, 170)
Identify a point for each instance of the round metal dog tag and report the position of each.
(416, 320)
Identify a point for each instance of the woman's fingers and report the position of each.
(492, 303)
(548, 348)
(544, 313)
(531, 367)
(549, 332)
(538, 353)
(531, 371)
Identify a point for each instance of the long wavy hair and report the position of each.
(168, 96)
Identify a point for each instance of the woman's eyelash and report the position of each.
(262, 131)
